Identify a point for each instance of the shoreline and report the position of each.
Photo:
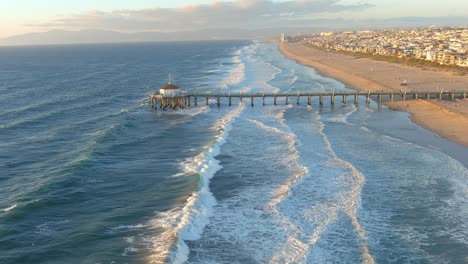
(445, 118)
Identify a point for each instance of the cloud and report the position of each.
(250, 14)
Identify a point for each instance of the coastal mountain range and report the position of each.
(104, 36)
(55, 37)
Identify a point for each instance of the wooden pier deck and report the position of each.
(187, 100)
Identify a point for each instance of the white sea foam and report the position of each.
(264, 72)
(294, 249)
(188, 222)
(344, 117)
(279, 193)
(180, 174)
(239, 81)
(129, 227)
(322, 87)
(293, 80)
(235, 74)
(274, 222)
(351, 197)
(8, 209)
(251, 219)
(129, 250)
(192, 111)
(307, 222)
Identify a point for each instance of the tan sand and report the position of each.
(447, 119)
(427, 113)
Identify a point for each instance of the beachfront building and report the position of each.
(169, 90)
(446, 46)
(286, 38)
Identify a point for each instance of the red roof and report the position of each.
(169, 87)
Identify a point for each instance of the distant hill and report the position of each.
(300, 26)
(55, 37)
(98, 36)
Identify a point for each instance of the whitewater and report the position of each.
(294, 214)
(240, 184)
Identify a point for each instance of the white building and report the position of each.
(430, 55)
(169, 90)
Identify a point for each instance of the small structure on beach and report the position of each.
(169, 90)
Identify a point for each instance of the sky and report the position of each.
(26, 16)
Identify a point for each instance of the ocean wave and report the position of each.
(8, 209)
(442, 168)
(265, 72)
(236, 74)
(294, 78)
(321, 86)
(45, 115)
(188, 222)
(192, 111)
(43, 104)
(129, 227)
(344, 117)
(294, 249)
(49, 228)
(350, 197)
(266, 87)
(307, 225)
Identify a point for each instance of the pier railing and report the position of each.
(187, 100)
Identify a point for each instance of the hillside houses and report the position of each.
(447, 46)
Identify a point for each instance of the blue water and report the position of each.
(89, 173)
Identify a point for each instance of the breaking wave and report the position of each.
(188, 222)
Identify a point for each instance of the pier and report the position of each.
(159, 101)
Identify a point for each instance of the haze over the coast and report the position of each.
(27, 22)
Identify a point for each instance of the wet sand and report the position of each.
(445, 118)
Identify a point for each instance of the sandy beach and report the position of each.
(448, 119)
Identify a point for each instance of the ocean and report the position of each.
(89, 173)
